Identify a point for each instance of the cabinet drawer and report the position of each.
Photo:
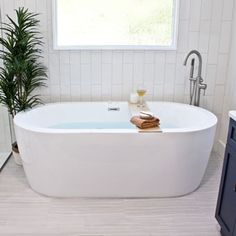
(226, 205)
(232, 134)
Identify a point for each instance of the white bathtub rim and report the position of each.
(110, 131)
(18, 123)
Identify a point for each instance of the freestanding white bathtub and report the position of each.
(84, 150)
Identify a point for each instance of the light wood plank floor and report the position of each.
(24, 212)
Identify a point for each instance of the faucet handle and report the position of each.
(204, 87)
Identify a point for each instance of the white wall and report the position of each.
(5, 139)
(230, 92)
(204, 25)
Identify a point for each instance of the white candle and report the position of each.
(133, 98)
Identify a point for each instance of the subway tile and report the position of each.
(31, 5)
(180, 69)
(75, 92)
(74, 58)
(149, 57)
(217, 7)
(228, 10)
(128, 57)
(211, 79)
(183, 36)
(85, 74)
(106, 98)
(170, 57)
(116, 92)
(207, 102)
(213, 48)
(44, 91)
(204, 36)
(170, 73)
(218, 101)
(54, 68)
(206, 9)
(187, 82)
(96, 68)
(55, 99)
(65, 90)
(178, 93)
(106, 73)
(222, 69)
(65, 98)
(159, 68)
(138, 57)
(193, 40)
(41, 6)
(85, 92)
(65, 74)
(75, 69)
(184, 9)
(138, 71)
(8, 9)
(117, 68)
(96, 93)
(127, 78)
(225, 37)
(169, 82)
(85, 57)
(55, 91)
(195, 12)
(106, 56)
(106, 81)
(20, 3)
(148, 72)
(117, 74)
(106, 92)
(64, 58)
(64, 61)
(204, 64)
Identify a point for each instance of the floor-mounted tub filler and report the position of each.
(87, 150)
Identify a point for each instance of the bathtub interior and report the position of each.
(72, 115)
(182, 116)
(96, 115)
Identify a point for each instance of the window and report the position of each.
(115, 24)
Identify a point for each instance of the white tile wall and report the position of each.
(5, 140)
(204, 25)
(230, 83)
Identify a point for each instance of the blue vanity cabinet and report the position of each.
(226, 205)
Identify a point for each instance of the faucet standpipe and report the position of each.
(196, 84)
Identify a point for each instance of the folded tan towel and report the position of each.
(145, 124)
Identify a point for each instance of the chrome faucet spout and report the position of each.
(199, 56)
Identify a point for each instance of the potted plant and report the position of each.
(21, 72)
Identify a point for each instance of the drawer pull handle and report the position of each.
(234, 188)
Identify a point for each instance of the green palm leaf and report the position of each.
(21, 73)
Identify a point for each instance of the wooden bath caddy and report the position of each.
(135, 110)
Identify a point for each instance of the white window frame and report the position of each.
(172, 47)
